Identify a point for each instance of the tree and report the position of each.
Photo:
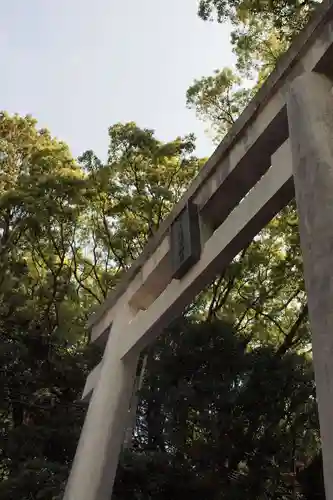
(42, 316)
(134, 191)
(288, 16)
(218, 100)
(220, 420)
(261, 32)
(68, 231)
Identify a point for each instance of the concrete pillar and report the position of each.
(310, 115)
(95, 464)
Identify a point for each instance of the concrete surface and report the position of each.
(310, 112)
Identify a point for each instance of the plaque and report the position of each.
(185, 241)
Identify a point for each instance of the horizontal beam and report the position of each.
(266, 199)
(271, 193)
(243, 156)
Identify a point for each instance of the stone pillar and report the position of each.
(310, 115)
(95, 464)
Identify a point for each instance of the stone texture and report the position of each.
(102, 436)
(310, 114)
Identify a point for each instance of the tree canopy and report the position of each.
(68, 231)
(228, 405)
(261, 32)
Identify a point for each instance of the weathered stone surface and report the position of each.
(310, 112)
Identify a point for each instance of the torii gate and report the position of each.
(281, 144)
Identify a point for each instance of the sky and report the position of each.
(79, 66)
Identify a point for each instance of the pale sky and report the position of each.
(79, 66)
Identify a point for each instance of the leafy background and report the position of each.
(228, 407)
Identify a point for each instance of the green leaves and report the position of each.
(288, 15)
(228, 405)
(237, 418)
(261, 32)
(218, 100)
(228, 392)
(134, 191)
(67, 231)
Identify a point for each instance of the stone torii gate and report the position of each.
(281, 145)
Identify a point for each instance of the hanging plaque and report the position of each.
(185, 241)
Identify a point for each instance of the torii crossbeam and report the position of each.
(281, 145)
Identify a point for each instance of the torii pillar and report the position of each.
(310, 116)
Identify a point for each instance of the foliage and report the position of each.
(228, 406)
(261, 293)
(133, 192)
(68, 230)
(240, 419)
(261, 32)
(228, 403)
(43, 363)
(218, 100)
(287, 16)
